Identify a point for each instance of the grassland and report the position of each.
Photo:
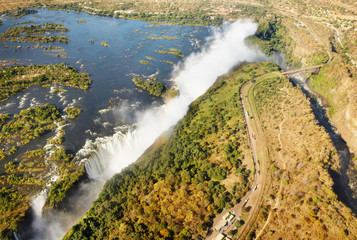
(300, 201)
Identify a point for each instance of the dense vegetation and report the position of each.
(71, 174)
(73, 112)
(151, 85)
(27, 125)
(22, 12)
(15, 34)
(272, 38)
(18, 78)
(184, 180)
(34, 29)
(13, 205)
(184, 18)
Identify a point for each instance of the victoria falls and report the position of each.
(182, 120)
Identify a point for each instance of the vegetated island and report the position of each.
(73, 112)
(22, 12)
(12, 79)
(154, 87)
(103, 43)
(173, 51)
(15, 34)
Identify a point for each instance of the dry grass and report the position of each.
(301, 153)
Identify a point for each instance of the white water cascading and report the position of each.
(224, 50)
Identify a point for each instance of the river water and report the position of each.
(112, 99)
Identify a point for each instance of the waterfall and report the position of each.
(37, 203)
(97, 167)
(17, 236)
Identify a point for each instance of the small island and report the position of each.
(73, 112)
(104, 43)
(154, 87)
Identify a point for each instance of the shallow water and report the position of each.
(112, 98)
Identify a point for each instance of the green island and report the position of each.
(103, 43)
(173, 51)
(42, 39)
(34, 29)
(25, 22)
(81, 21)
(15, 34)
(22, 12)
(56, 90)
(144, 62)
(154, 87)
(154, 37)
(170, 37)
(12, 82)
(73, 112)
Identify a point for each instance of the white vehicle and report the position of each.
(255, 188)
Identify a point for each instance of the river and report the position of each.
(112, 99)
